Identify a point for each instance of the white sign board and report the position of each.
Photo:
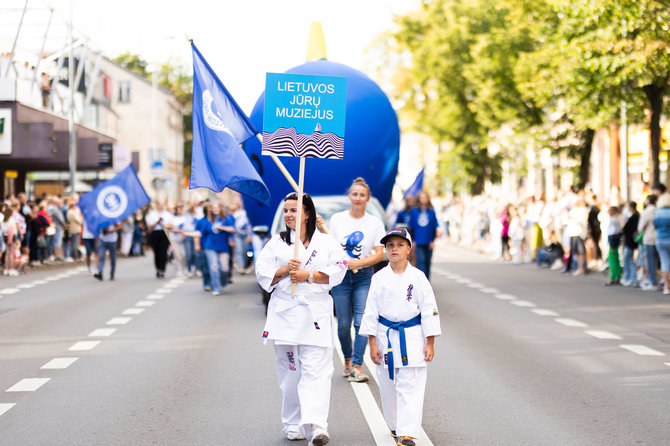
(5, 131)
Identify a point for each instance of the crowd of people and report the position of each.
(575, 233)
(204, 238)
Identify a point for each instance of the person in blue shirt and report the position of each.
(423, 226)
(199, 247)
(218, 229)
(662, 225)
(402, 218)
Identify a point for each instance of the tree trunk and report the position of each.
(585, 147)
(655, 97)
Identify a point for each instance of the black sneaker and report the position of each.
(111, 277)
(98, 276)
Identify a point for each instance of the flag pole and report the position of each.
(280, 165)
(298, 222)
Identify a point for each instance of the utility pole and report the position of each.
(71, 127)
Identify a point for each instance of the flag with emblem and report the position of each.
(113, 201)
(219, 127)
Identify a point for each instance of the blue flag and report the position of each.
(113, 201)
(416, 186)
(219, 127)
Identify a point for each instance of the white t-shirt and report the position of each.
(357, 236)
(153, 216)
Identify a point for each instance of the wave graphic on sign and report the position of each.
(287, 142)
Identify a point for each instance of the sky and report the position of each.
(241, 40)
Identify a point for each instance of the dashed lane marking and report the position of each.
(101, 332)
(164, 290)
(28, 385)
(155, 296)
(172, 285)
(522, 303)
(476, 285)
(502, 296)
(25, 286)
(667, 363)
(570, 322)
(119, 320)
(543, 312)
(145, 303)
(9, 290)
(133, 311)
(59, 363)
(5, 407)
(83, 346)
(39, 282)
(490, 290)
(641, 350)
(602, 334)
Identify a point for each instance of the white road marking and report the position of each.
(83, 345)
(133, 311)
(25, 286)
(5, 407)
(642, 350)
(101, 332)
(59, 363)
(172, 285)
(119, 320)
(490, 290)
(602, 334)
(570, 322)
(155, 296)
(164, 290)
(667, 363)
(9, 290)
(463, 280)
(51, 278)
(476, 285)
(145, 303)
(543, 312)
(28, 385)
(522, 303)
(63, 275)
(504, 296)
(39, 282)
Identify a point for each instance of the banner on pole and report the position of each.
(304, 115)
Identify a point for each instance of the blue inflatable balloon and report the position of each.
(371, 146)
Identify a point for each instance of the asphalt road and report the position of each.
(526, 358)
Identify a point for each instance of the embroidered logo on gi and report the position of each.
(265, 334)
(316, 324)
(386, 358)
(343, 265)
(291, 361)
(311, 257)
(435, 313)
(409, 292)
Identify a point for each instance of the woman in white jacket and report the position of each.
(300, 323)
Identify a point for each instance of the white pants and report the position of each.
(402, 399)
(126, 242)
(305, 373)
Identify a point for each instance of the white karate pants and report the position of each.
(305, 373)
(402, 400)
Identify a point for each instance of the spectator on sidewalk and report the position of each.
(58, 222)
(74, 225)
(551, 253)
(646, 226)
(505, 219)
(43, 227)
(632, 217)
(614, 232)
(576, 230)
(662, 225)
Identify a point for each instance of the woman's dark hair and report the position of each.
(308, 205)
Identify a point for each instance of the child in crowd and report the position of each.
(551, 253)
(401, 316)
(614, 231)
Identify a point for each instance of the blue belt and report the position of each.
(400, 326)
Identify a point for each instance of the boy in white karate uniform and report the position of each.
(401, 319)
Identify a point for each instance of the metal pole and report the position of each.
(11, 54)
(72, 132)
(625, 189)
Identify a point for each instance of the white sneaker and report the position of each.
(319, 437)
(216, 293)
(666, 291)
(294, 436)
(648, 287)
(625, 282)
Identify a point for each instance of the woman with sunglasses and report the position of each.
(299, 323)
